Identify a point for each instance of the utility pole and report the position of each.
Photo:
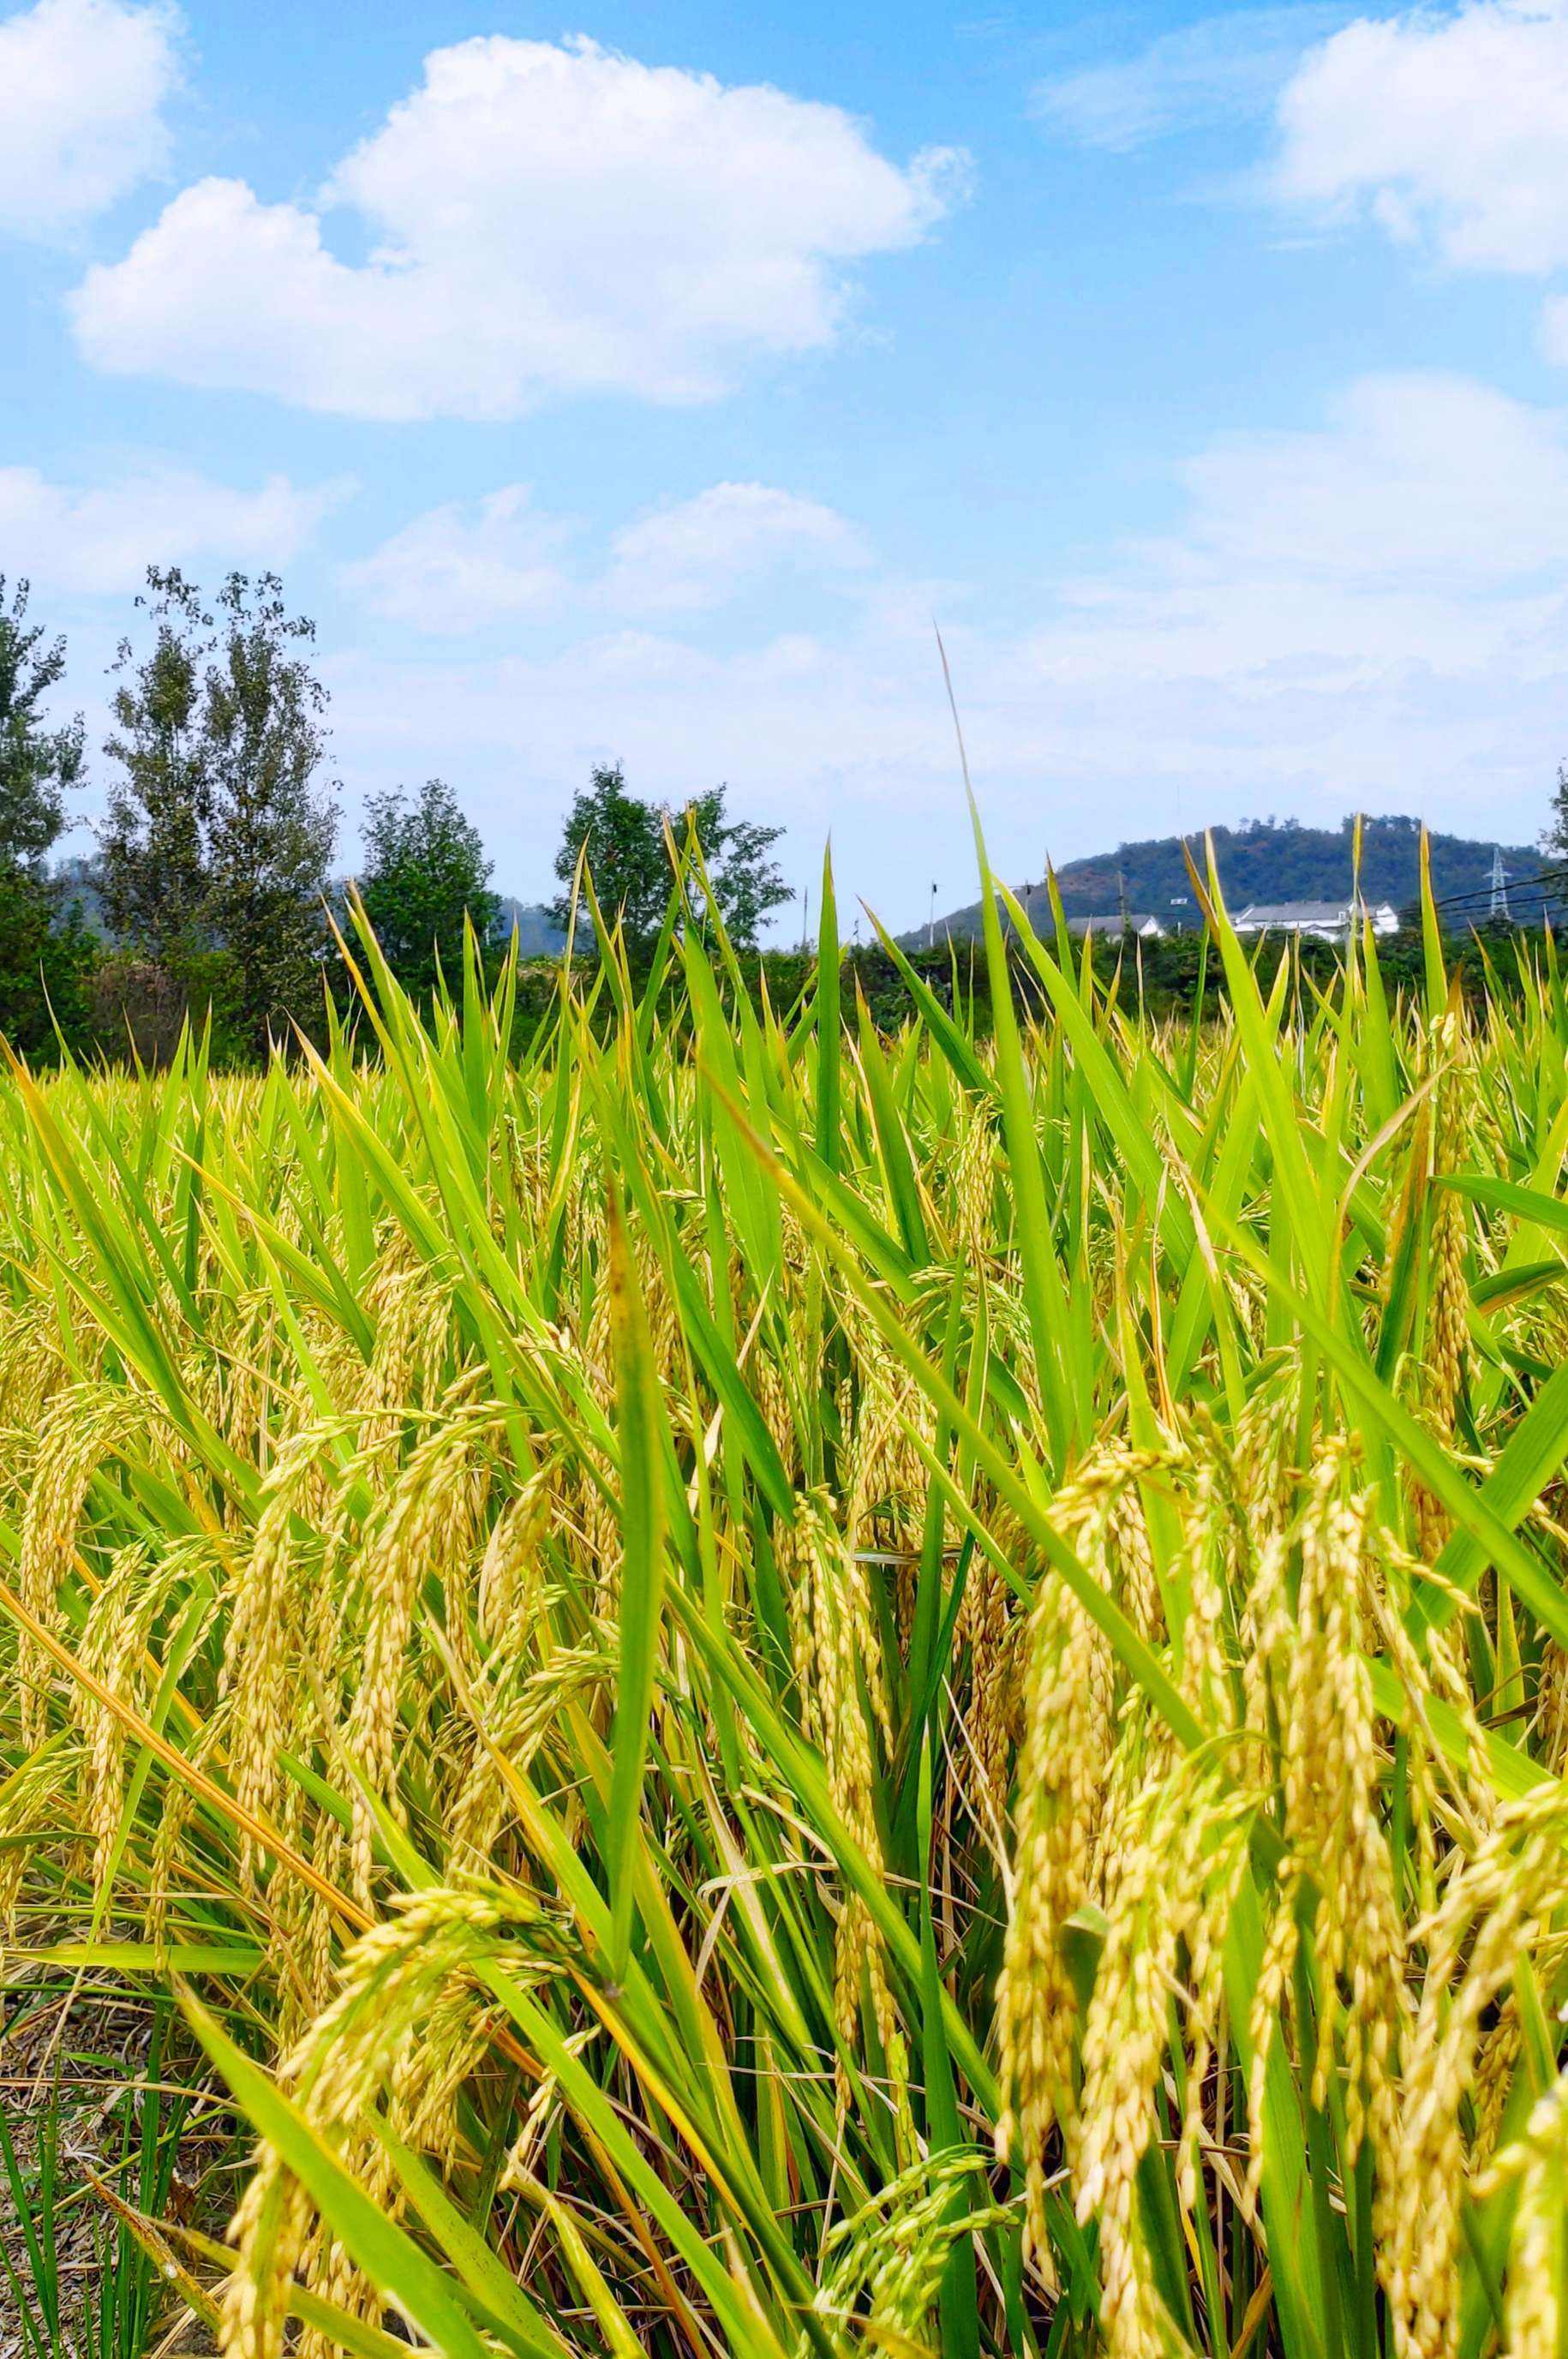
(1121, 896)
(1500, 886)
(931, 921)
(805, 917)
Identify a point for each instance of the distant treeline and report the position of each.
(1163, 977)
(213, 892)
(113, 1004)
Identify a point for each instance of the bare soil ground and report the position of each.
(70, 2062)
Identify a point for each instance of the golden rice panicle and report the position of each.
(1551, 1706)
(41, 1793)
(1175, 1841)
(667, 1336)
(392, 1980)
(508, 1741)
(273, 2221)
(426, 1531)
(1102, 1502)
(1493, 1911)
(114, 1650)
(266, 1639)
(771, 1390)
(1463, 1803)
(32, 1365)
(428, 2074)
(1068, 1732)
(1329, 1772)
(1358, 1929)
(884, 2264)
(991, 1630)
(1204, 1566)
(409, 1309)
(886, 1477)
(1535, 2309)
(599, 1341)
(168, 1861)
(230, 1374)
(83, 1425)
(842, 1693)
(1139, 1583)
(973, 1163)
(512, 1568)
(1495, 2063)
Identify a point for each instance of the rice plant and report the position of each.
(774, 1690)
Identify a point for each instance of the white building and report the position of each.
(1325, 921)
(1137, 922)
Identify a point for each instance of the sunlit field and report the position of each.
(702, 1681)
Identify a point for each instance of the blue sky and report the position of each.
(642, 384)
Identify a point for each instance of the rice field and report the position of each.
(713, 1683)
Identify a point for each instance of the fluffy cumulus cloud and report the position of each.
(94, 540)
(82, 88)
(1370, 613)
(535, 220)
(1449, 128)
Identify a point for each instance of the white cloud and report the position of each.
(1373, 614)
(541, 219)
(96, 540)
(83, 85)
(1419, 481)
(1449, 129)
(458, 567)
(1220, 70)
(465, 566)
(699, 552)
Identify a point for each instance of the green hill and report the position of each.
(1263, 861)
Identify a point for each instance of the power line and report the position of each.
(1545, 882)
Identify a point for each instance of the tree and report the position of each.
(154, 871)
(219, 834)
(626, 855)
(424, 871)
(1554, 837)
(746, 883)
(45, 957)
(36, 763)
(48, 960)
(629, 861)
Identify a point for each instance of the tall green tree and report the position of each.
(424, 871)
(220, 826)
(153, 868)
(39, 760)
(46, 955)
(629, 860)
(627, 856)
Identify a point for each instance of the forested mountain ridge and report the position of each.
(1263, 861)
